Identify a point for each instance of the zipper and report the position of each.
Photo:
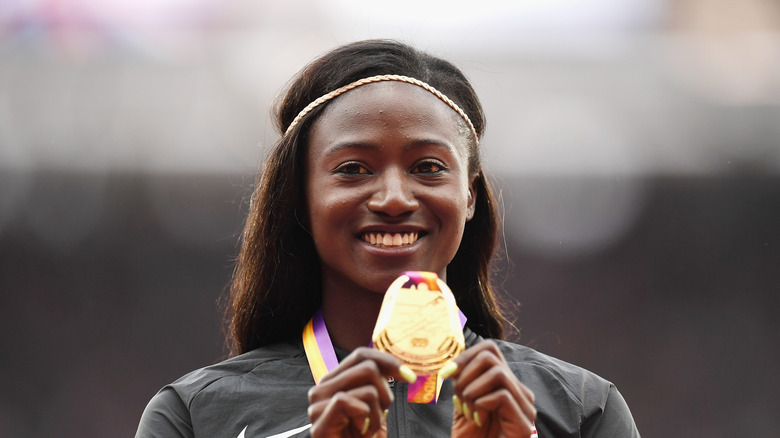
(396, 414)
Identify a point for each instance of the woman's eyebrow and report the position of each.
(335, 148)
(430, 142)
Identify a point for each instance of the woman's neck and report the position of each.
(350, 320)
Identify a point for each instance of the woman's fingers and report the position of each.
(365, 374)
(489, 394)
(485, 370)
(387, 364)
(363, 367)
(356, 411)
(500, 406)
(493, 375)
(342, 414)
(352, 398)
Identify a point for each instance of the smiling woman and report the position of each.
(377, 173)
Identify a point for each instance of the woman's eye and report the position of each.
(352, 169)
(428, 167)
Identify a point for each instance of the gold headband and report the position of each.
(339, 91)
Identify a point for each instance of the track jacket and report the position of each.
(263, 393)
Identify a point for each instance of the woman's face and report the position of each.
(388, 186)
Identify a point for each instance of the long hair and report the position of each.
(276, 285)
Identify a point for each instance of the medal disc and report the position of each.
(419, 323)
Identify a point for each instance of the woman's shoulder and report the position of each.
(254, 364)
(569, 398)
(536, 362)
(226, 396)
(539, 369)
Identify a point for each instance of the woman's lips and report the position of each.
(390, 240)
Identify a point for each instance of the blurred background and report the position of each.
(636, 146)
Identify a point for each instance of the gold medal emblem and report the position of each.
(418, 324)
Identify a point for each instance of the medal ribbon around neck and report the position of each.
(318, 347)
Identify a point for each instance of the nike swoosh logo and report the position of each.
(290, 432)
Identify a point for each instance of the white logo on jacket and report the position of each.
(290, 432)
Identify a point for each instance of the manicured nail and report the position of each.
(448, 370)
(365, 426)
(466, 410)
(476, 419)
(457, 405)
(385, 413)
(407, 374)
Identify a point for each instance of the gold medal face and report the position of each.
(419, 326)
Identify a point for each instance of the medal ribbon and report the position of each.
(318, 347)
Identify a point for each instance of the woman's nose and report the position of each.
(393, 195)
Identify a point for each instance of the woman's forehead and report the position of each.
(384, 103)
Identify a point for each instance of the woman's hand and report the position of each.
(351, 400)
(489, 400)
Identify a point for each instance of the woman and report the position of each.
(377, 172)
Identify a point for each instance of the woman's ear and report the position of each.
(472, 201)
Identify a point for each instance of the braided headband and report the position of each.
(339, 91)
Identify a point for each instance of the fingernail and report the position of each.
(476, 419)
(466, 410)
(365, 426)
(448, 370)
(385, 413)
(407, 374)
(457, 405)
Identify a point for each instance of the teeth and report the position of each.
(388, 239)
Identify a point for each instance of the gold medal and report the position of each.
(419, 323)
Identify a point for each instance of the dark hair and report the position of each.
(277, 280)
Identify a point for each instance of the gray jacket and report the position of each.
(263, 393)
